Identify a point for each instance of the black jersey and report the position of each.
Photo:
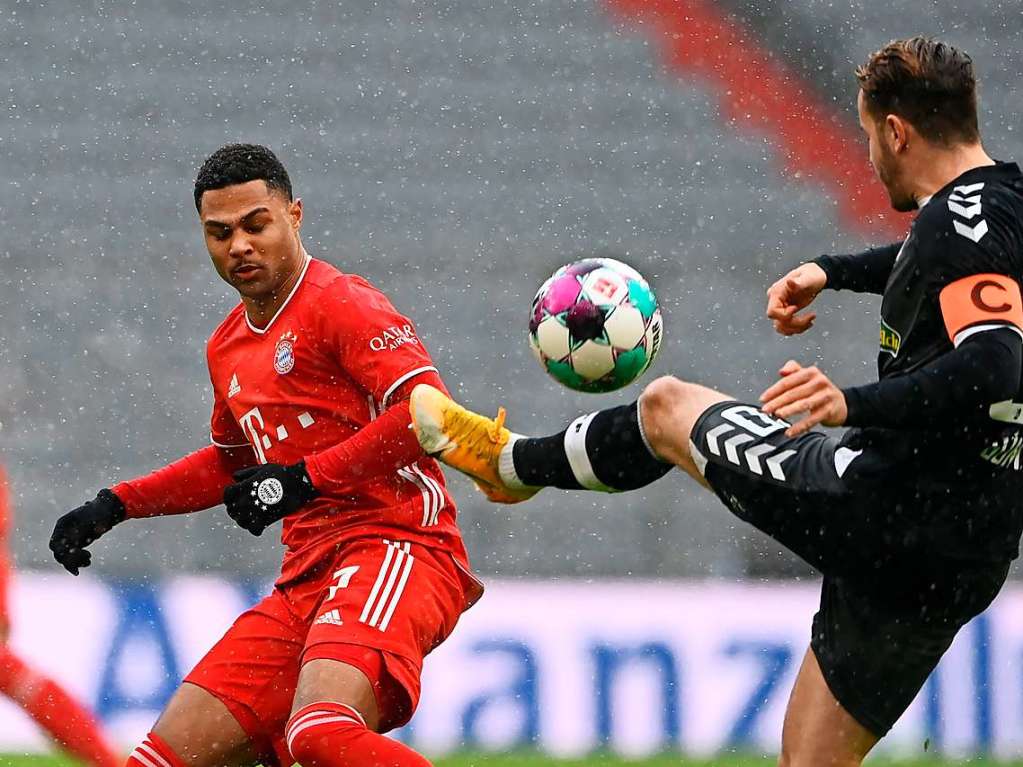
(973, 226)
(957, 275)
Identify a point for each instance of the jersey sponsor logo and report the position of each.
(977, 299)
(234, 387)
(964, 202)
(252, 425)
(890, 339)
(393, 337)
(258, 432)
(284, 353)
(1005, 453)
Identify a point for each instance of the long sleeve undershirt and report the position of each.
(381, 447)
(865, 272)
(192, 483)
(984, 369)
(197, 481)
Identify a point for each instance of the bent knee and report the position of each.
(660, 405)
(671, 397)
(669, 409)
(664, 394)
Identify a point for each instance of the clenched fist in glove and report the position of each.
(261, 495)
(81, 527)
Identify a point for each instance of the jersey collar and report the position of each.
(294, 290)
(998, 172)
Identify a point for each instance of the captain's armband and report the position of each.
(980, 302)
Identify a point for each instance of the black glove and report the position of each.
(263, 494)
(80, 527)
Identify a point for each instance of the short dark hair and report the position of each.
(238, 163)
(929, 83)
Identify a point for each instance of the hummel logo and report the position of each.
(234, 386)
(333, 617)
(965, 203)
(734, 450)
(971, 232)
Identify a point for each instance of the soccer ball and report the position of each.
(595, 325)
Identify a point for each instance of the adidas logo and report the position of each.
(965, 203)
(234, 386)
(332, 617)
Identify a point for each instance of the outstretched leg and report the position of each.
(53, 709)
(620, 448)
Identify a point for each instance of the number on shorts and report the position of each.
(753, 420)
(343, 578)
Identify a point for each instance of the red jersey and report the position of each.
(324, 367)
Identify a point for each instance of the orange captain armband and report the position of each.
(980, 299)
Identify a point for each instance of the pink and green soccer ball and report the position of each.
(595, 325)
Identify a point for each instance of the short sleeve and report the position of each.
(378, 346)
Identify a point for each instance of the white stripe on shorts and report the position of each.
(389, 586)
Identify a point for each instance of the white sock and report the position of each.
(506, 465)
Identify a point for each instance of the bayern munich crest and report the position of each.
(270, 491)
(284, 354)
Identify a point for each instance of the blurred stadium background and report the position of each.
(454, 153)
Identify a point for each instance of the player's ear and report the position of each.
(896, 133)
(295, 212)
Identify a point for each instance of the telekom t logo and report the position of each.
(254, 433)
(255, 430)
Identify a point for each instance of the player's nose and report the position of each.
(240, 246)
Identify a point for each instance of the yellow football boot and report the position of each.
(464, 440)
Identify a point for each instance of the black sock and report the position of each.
(600, 451)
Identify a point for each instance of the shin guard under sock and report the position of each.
(604, 451)
(153, 752)
(334, 735)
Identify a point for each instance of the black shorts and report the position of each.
(889, 608)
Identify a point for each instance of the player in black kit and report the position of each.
(912, 515)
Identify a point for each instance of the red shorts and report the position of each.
(381, 607)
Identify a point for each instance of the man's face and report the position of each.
(885, 157)
(251, 233)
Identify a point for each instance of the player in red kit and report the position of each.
(51, 707)
(311, 374)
